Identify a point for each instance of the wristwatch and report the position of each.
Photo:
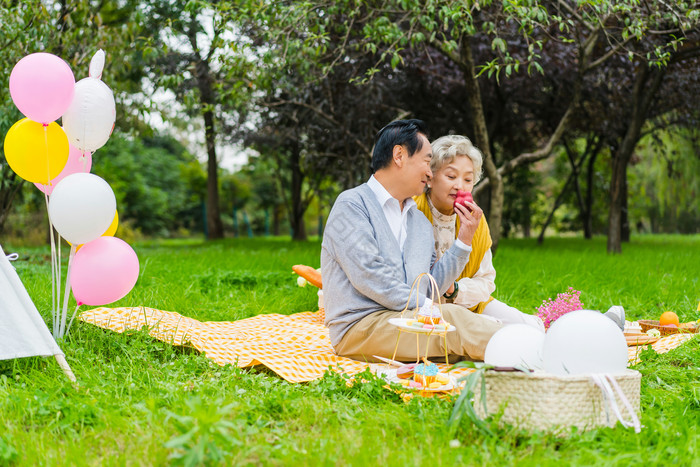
(453, 294)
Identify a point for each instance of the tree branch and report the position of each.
(545, 150)
(573, 13)
(607, 55)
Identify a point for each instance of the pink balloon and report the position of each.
(103, 271)
(42, 86)
(77, 163)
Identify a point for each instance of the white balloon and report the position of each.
(584, 342)
(515, 345)
(97, 64)
(89, 120)
(82, 207)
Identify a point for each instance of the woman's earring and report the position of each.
(429, 186)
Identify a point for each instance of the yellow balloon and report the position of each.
(111, 230)
(36, 153)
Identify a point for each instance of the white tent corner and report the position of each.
(23, 332)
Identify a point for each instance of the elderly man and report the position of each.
(376, 243)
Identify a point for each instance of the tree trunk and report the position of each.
(296, 214)
(642, 97)
(214, 224)
(615, 212)
(591, 151)
(587, 214)
(481, 137)
(575, 173)
(527, 226)
(527, 215)
(624, 213)
(276, 219)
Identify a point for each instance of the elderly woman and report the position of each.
(456, 166)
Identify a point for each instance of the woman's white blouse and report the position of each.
(471, 290)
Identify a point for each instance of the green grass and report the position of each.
(143, 402)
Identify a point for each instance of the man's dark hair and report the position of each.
(401, 132)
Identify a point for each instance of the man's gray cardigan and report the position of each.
(362, 265)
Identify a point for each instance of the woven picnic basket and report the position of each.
(554, 403)
(647, 324)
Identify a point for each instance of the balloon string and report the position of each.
(46, 145)
(55, 264)
(59, 269)
(54, 306)
(64, 314)
(70, 323)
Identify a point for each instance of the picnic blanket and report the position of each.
(296, 347)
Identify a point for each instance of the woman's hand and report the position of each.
(468, 221)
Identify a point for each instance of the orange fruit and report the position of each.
(668, 317)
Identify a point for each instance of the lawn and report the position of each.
(143, 402)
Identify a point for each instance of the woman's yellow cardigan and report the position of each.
(480, 245)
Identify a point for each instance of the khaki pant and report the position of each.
(373, 335)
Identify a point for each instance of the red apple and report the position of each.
(462, 197)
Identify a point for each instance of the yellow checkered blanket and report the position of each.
(296, 347)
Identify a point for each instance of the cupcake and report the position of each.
(425, 373)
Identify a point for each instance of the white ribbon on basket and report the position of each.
(608, 386)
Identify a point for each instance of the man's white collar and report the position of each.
(383, 195)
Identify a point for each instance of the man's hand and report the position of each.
(469, 221)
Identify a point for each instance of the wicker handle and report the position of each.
(416, 285)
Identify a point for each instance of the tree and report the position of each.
(518, 33)
(647, 85)
(316, 124)
(195, 55)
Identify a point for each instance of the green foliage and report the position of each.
(26, 29)
(7, 451)
(469, 395)
(664, 186)
(200, 55)
(400, 24)
(521, 205)
(204, 428)
(141, 401)
(158, 184)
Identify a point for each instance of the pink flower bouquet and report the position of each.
(551, 310)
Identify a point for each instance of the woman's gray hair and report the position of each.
(446, 148)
